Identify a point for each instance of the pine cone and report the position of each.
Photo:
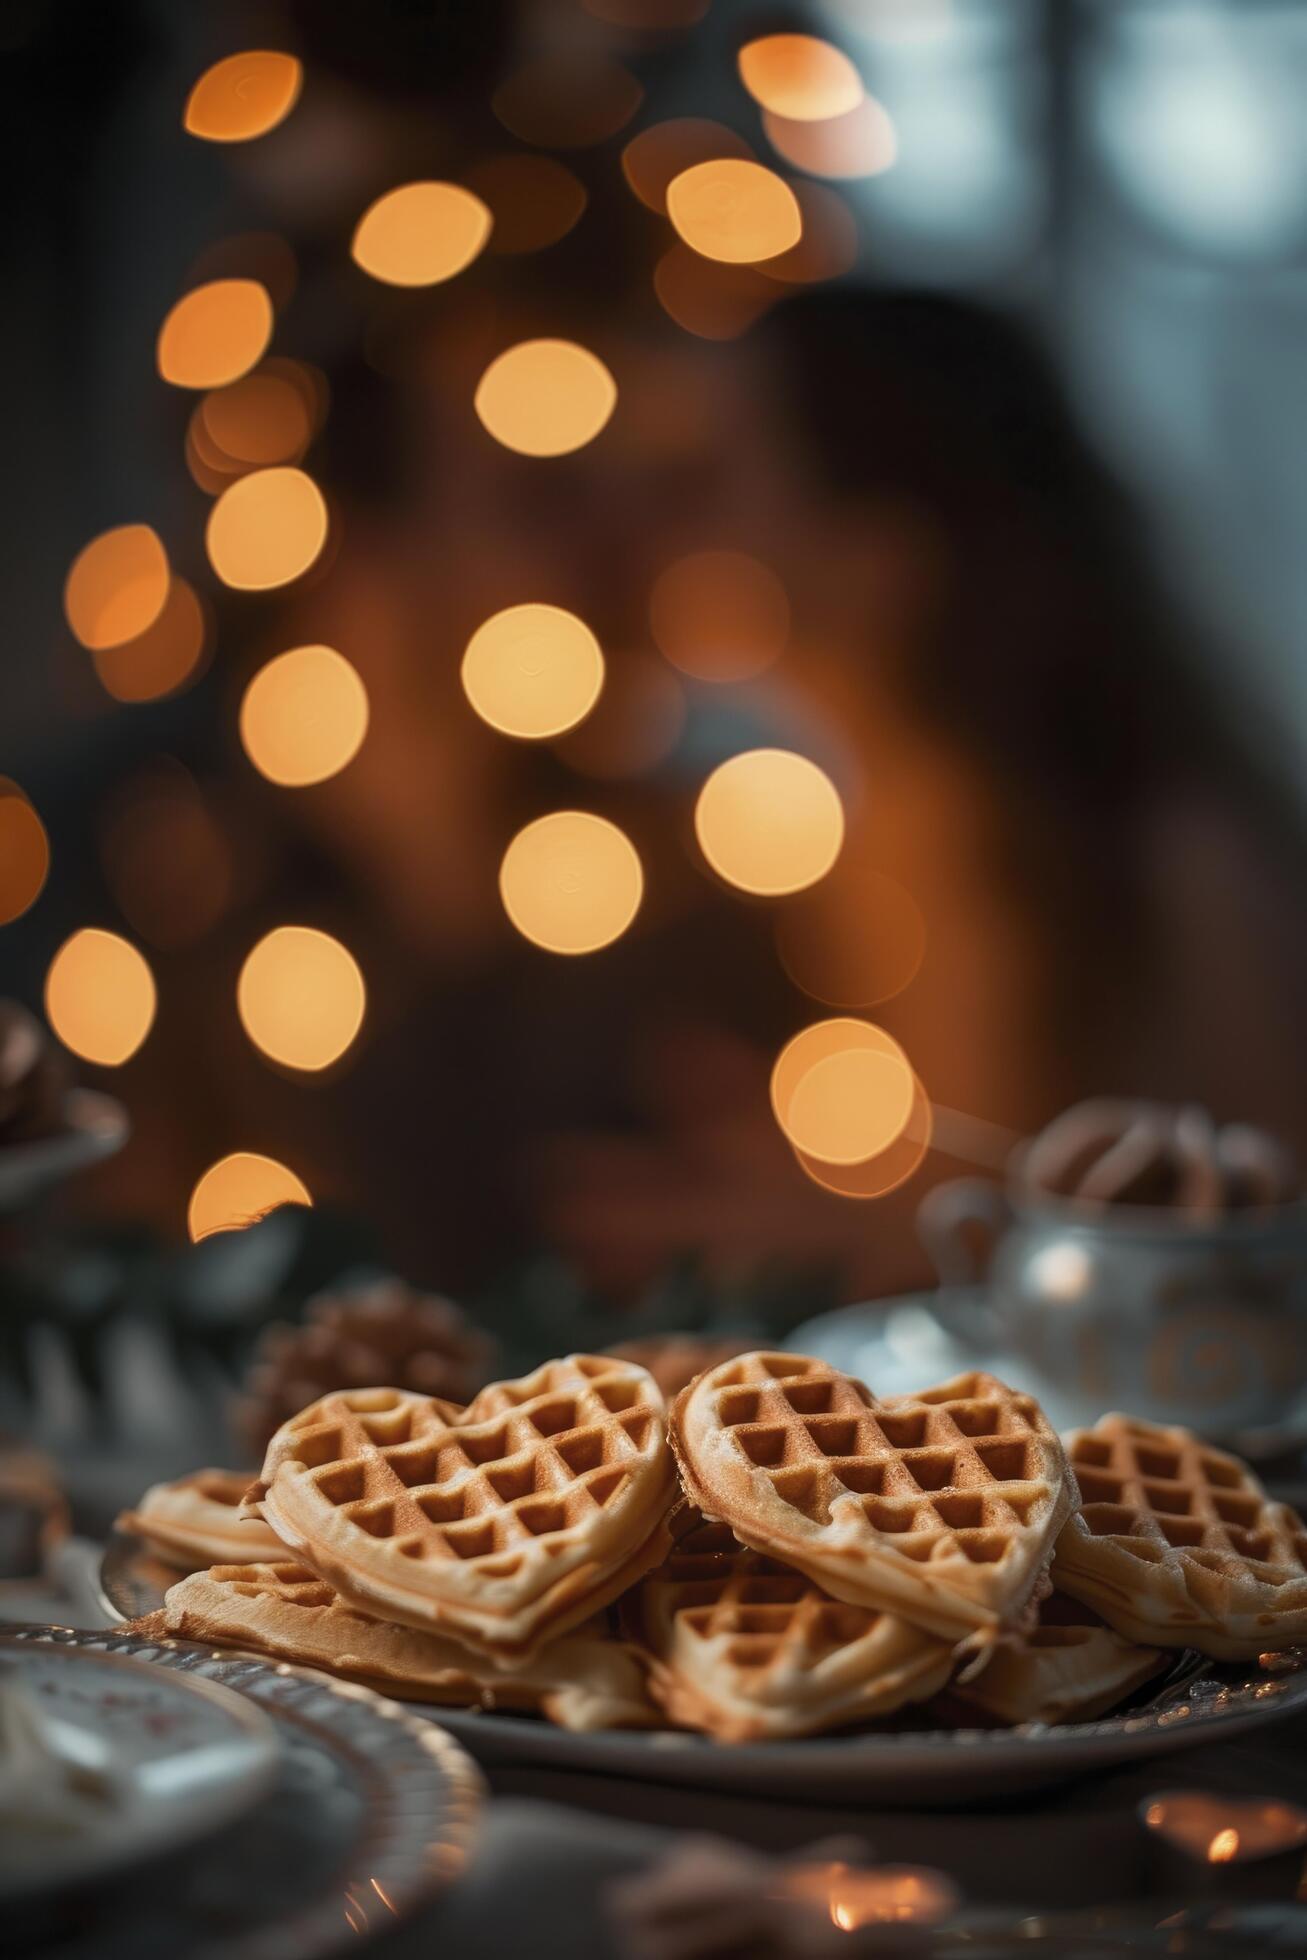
(34, 1075)
(382, 1334)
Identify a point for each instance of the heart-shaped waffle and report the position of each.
(745, 1648)
(1068, 1667)
(502, 1525)
(197, 1520)
(587, 1680)
(1178, 1545)
(942, 1507)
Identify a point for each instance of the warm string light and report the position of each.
(301, 997)
(421, 234)
(100, 997)
(243, 96)
(545, 397)
(661, 153)
(769, 822)
(533, 671)
(215, 334)
(165, 658)
(734, 210)
(117, 586)
(571, 882)
(266, 529)
(239, 1190)
(800, 77)
(861, 143)
(24, 852)
(304, 716)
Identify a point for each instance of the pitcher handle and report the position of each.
(960, 1223)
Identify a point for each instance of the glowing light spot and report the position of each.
(708, 299)
(117, 587)
(546, 397)
(859, 144)
(877, 1176)
(167, 656)
(240, 1190)
(662, 152)
(881, 1894)
(857, 939)
(267, 529)
(243, 96)
(719, 615)
(829, 245)
(266, 418)
(100, 997)
(733, 210)
(301, 997)
(533, 671)
(215, 334)
(421, 234)
(24, 852)
(843, 1091)
(769, 821)
(304, 716)
(567, 102)
(534, 200)
(571, 882)
(800, 77)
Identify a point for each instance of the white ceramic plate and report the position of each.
(177, 1758)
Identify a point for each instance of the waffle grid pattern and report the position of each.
(1153, 1492)
(526, 1461)
(948, 1472)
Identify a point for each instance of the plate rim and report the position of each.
(443, 1858)
(114, 1854)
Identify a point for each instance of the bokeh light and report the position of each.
(843, 1091)
(829, 245)
(239, 1190)
(857, 939)
(266, 418)
(100, 997)
(166, 859)
(769, 821)
(719, 615)
(571, 882)
(117, 586)
(800, 77)
(304, 716)
(243, 96)
(546, 397)
(533, 200)
(301, 997)
(877, 1176)
(420, 234)
(734, 210)
(859, 144)
(566, 102)
(24, 852)
(533, 671)
(709, 299)
(662, 152)
(266, 529)
(164, 658)
(215, 334)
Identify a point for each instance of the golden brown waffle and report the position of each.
(1069, 1667)
(941, 1507)
(587, 1680)
(197, 1521)
(1177, 1544)
(502, 1526)
(745, 1648)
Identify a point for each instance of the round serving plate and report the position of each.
(1196, 1701)
(368, 1815)
(95, 1127)
(163, 1759)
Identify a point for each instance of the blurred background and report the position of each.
(752, 533)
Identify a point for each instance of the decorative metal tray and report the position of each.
(1196, 1701)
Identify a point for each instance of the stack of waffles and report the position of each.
(782, 1553)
